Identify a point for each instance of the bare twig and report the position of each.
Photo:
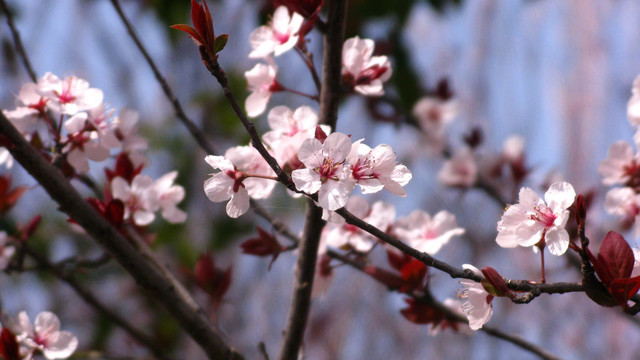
(171, 294)
(18, 42)
(92, 300)
(263, 351)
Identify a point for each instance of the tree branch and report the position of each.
(18, 42)
(171, 294)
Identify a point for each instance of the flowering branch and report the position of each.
(18, 42)
(171, 294)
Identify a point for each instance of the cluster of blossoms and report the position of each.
(361, 71)
(622, 167)
(92, 131)
(23, 340)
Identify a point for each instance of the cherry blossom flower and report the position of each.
(262, 83)
(533, 220)
(620, 165)
(83, 145)
(168, 196)
(278, 37)
(478, 307)
(365, 73)
(125, 129)
(375, 169)
(289, 129)
(434, 113)
(31, 104)
(513, 148)
(324, 277)
(97, 120)
(339, 235)
(460, 170)
(139, 198)
(425, 233)
(69, 95)
(6, 251)
(633, 107)
(243, 174)
(44, 335)
(325, 171)
(5, 158)
(624, 202)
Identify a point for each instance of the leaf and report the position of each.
(220, 43)
(391, 280)
(420, 312)
(623, 289)
(618, 255)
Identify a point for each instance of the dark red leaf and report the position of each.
(114, 212)
(618, 255)
(390, 279)
(496, 281)
(601, 268)
(30, 228)
(414, 271)
(9, 348)
(623, 289)
(397, 260)
(264, 245)
(212, 280)
(320, 134)
(420, 312)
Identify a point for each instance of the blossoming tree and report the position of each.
(93, 161)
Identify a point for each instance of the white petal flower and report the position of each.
(169, 195)
(69, 95)
(278, 37)
(6, 251)
(5, 158)
(460, 170)
(45, 335)
(425, 233)
(624, 202)
(477, 308)
(533, 220)
(633, 108)
(364, 72)
(620, 165)
(375, 169)
(139, 198)
(262, 83)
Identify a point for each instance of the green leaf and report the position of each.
(220, 43)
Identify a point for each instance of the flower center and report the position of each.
(543, 215)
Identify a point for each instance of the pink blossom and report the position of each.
(6, 251)
(138, 197)
(262, 83)
(633, 107)
(236, 181)
(325, 171)
(97, 120)
(533, 220)
(5, 158)
(44, 335)
(425, 233)
(360, 69)
(26, 117)
(83, 145)
(323, 278)
(624, 202)
(375, 169)
(620, 165)
(513, 148)
(125, 129)
(69, 95)
(460, 170)
(478, 307)
(340, 234)
(279, 36)
(168, 196)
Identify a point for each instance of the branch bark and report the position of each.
(171, 294)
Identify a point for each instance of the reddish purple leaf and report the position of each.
(496, 281)
(320, 134)
(389, 279)
(623, 289)
(9, 348)
(420, 312)
(617, 254)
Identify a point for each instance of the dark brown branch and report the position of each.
(277, 225)
(92, 300)
(18, 42)
(304, 273)
(171, 294)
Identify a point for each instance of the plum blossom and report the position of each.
(97, 120)
(125, 129)
(533, 220)
(289, 129)
(262, 83)
(513, 148)
(339, 235)
(83, 145)
(168, 196)
(139, 198)
(425, 233)
(243, 174)
(6, 251)
(460, 170)
(365, 73)
(69, 95)
(278, 37)
(324, 276)
(31, 104)
(633, 107)
(45, 335)
(325, 171)
(5, 158)
(477, 307)
(624, 202)
(375, 169)
(621, 164)
(433, 114)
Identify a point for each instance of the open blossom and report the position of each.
(533, 220)
(460, 170)
(6, 251)
(621, 164)
(138, 197)
(262, 83)
(325, 171)
(425, 233)
(126, 131)
(339, 235)
(30, 106)
(6, 159)
(45, 335)
(633, 108)
(289, 129)
(279, 36)
(365, 73)
(168, 195)
(375, 169)
(69, 95)
(477, 307)
(235, 181)
(83, 145)
(624, 202)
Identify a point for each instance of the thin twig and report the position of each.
(18, 42)
(92, 300)
(263, 351)
(171, 294)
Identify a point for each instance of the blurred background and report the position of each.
(558, 73)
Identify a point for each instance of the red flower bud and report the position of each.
(212, 280)
(264, 245)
